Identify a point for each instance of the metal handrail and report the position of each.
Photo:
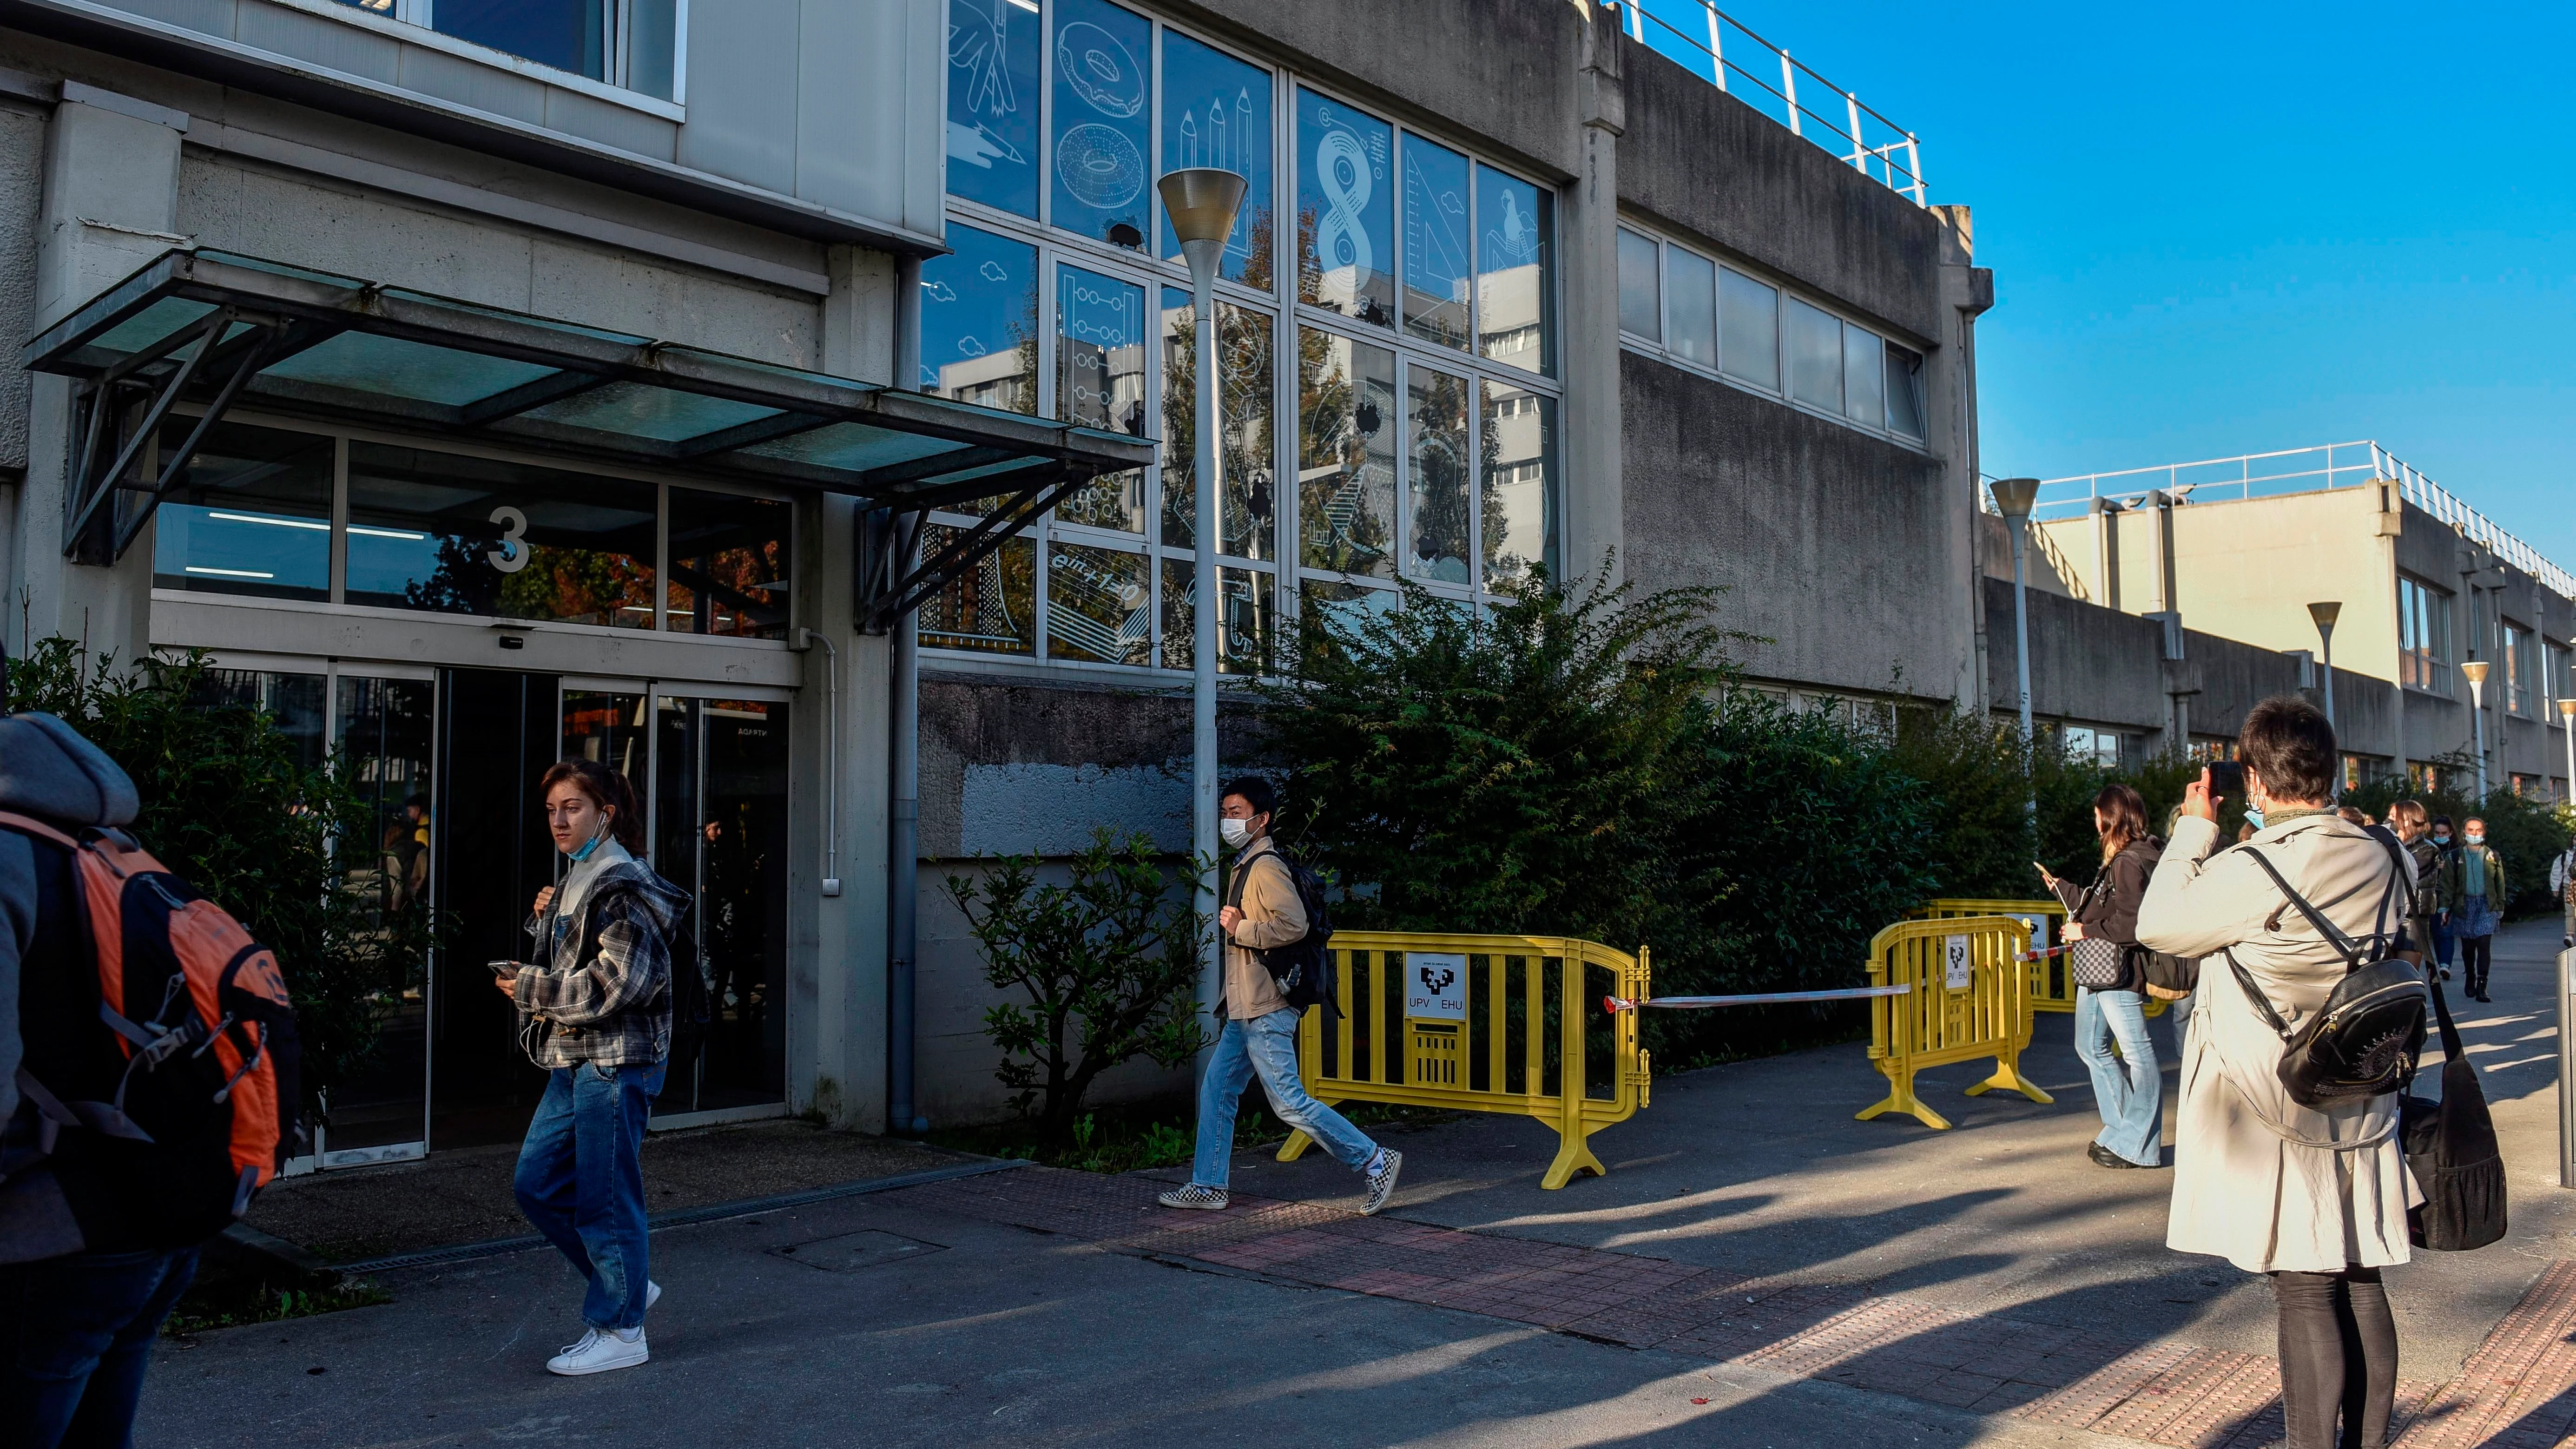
(2314, 469)
(1713, 43)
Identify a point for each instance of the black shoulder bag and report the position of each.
(2363, 1041)
(2451, 1148)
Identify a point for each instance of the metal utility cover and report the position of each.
(851, 1252)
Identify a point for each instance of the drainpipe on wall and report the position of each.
(903, 815)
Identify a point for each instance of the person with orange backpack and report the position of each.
(148, 1080)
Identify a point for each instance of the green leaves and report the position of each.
(1107, 960)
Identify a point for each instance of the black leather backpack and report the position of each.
(2363, 1041)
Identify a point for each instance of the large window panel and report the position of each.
(453, 534)
(1099, 605)
(993, 51)
(1103, 116)
(1905, 407)
(730, 557)
(979, 321)
(989, 609)
(1864, 377)
(570, 35)
(1815, 349)
(1437, 262)
(1519, 483)
(1749, 329)
(1435, 469)
(1690, 307)
(1246, 459)
(1345, 454)
(1641, 299)
(1216, 112)
(1515, 271)
(1100, 383)
(1246, 622)
(250, 514)
(1345, 210)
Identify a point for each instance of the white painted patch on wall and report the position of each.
(1040, 809)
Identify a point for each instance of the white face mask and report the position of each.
(1234, 832)
(2474, 838)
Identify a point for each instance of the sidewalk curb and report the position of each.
(713, 1212)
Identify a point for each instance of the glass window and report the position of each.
(979, 321)
(1641, 307)
(1345, 454)
(1515, 257)
(1216, 112)
(460, 535)
(384, 736)
(1245, 458)
(250, 514)
(606, 728)
(1435, 470)
(2555, 681)
(1331, 606)
(729, 565)
(1244, 624)
(1345, 210)
(1864, 377)
(566, 34)
(292, 701)
(2423, 636)
(1519, 490)
(1690, 309)
(1099, 606)
(652, 31)
(1103, 116)
(720, 824)
(989, 609)
(2517, 668)
(1905, 409)
(1815, 356)
(993, 48)
(1100, 383)
(1436, 231)
(1749, 329)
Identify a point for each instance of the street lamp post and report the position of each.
(2476, 670)
(2013, 499)
(2567, 729)
(1201, 203)
(2325, 616)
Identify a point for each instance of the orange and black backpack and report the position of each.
(166, 1079)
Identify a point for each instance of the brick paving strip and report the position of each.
(2518, 1391)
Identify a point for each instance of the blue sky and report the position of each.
(2222, 229)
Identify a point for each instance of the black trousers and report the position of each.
(2338, 1354)
(2477, 953)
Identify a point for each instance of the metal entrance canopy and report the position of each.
(209, 329)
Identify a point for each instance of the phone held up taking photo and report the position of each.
(2227, 780)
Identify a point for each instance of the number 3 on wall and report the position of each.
(512, 555)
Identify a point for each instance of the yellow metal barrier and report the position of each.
(1971, 998)
(1482, 1024)
(2051, 988)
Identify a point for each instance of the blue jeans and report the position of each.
(1265, 1046)
(75, 1336)
(581, 1181)
(2442, 941)
(2128, 1088)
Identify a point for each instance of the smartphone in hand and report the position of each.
(506, 970)
(2227, 780)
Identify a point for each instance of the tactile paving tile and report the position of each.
(2080, 1404)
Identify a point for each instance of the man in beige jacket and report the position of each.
(1260, 1033)
(2316, 1199)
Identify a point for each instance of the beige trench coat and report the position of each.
(2259, 1180)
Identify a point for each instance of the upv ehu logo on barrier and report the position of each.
(1435, 986)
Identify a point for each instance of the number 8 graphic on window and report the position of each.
(512, 555)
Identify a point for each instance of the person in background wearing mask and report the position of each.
(2473, 891)
(1259, 1038)
(2443, 940)
(2408, 819)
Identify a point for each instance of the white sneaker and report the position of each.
(1381, 1183)
(598, 1352)
(652, 1294)
(1213, 1199)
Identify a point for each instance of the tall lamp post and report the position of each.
(2476, 670)
(2325, 615)
(1201, 203)
(2013, 499)
(2567, 728)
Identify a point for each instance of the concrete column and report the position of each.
(111, 197)
(1588, 272)
(1967, 290)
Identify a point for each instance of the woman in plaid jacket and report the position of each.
(596, 1014)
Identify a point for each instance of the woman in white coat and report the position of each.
(2316, 1199)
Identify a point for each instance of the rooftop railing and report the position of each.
(2294, 470)
(1711, 44)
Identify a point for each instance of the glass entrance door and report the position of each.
(720, 833)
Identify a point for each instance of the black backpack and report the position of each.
(2363, 1041)
(1302, 969)
(2450, 1145)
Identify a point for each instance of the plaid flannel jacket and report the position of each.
(613, 1008)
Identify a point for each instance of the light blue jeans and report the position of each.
(1265, 1047)
(2128, 1088)
(581, 1182)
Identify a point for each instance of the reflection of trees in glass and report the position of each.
(1514, 486)
(721, 593)
(1346, 495)
(1438, 444)
(578, 586)
(1245, 453)
(463, 583)
(1098, 606)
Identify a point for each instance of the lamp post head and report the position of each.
(2014, 497)
(2567, 710)
(2475, 671)
(1201, 202)
(2325, 615)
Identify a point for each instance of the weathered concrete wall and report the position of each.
(2043, 570)
(22, 152)
(1705, 163)
(1829, 540)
